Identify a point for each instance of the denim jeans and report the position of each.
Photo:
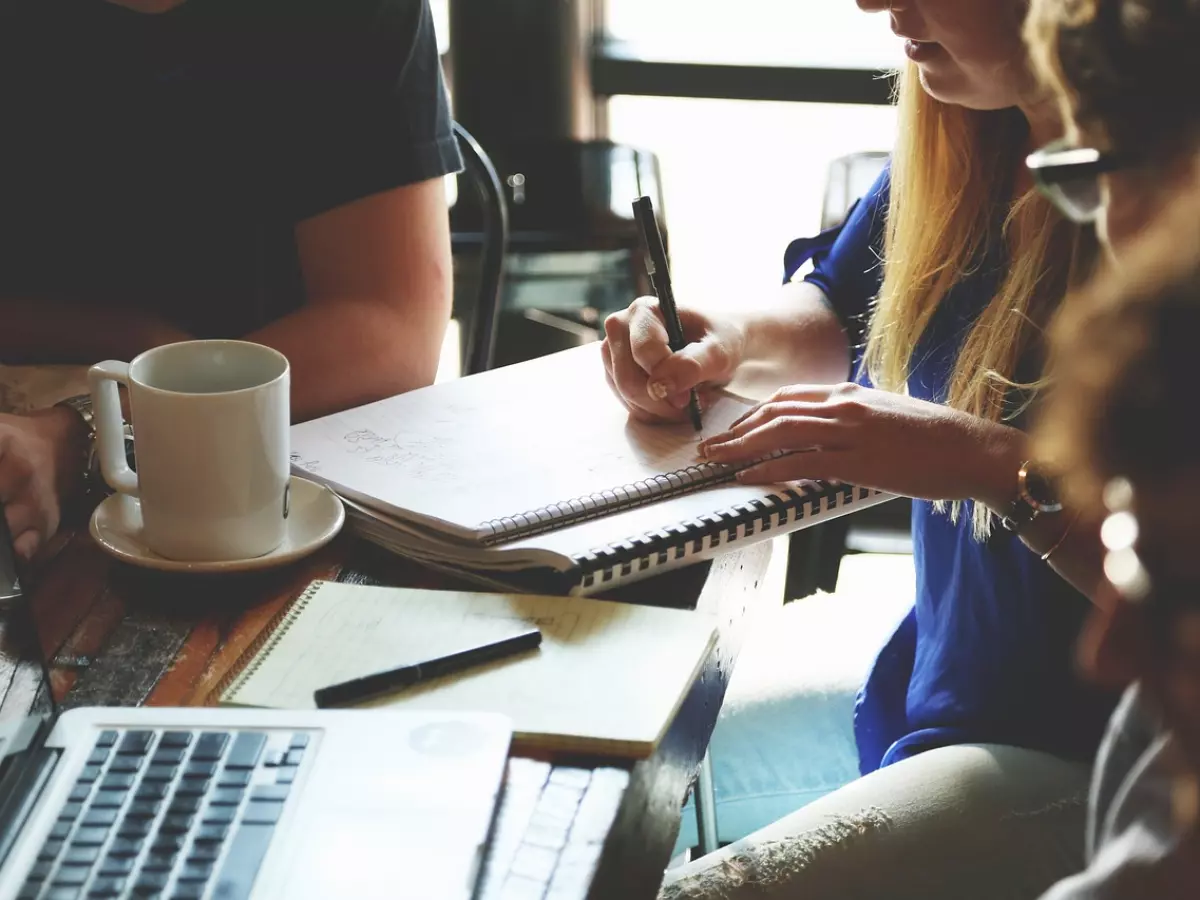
(973, 822)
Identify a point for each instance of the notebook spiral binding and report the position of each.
(603, 503)
(259, 649)
(716, 530)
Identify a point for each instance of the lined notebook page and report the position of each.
(608, 677)
(531, 435)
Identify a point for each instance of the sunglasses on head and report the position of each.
(1069, 177)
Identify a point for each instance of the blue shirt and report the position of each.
(986, 654)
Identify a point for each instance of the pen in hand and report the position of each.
(660, 278)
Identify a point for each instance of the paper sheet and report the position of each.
(505, 443)
(608, 676)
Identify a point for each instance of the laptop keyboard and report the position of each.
(173, 814)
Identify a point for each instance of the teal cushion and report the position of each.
(785, 737)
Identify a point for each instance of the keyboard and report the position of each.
(168, 813)
(551, 825)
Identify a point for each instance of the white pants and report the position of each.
(957, 823)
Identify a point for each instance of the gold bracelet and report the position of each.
(1062, 537)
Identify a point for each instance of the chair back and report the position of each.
(479, 311)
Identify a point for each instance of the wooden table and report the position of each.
(114, 635)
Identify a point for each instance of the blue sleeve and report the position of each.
(847, 260)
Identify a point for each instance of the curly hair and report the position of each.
(1126, 70)
(1124, 357)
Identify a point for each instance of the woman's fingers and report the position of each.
(816, 466)
(768, 412)
(775, 434)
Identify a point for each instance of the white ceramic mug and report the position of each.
(210, 423)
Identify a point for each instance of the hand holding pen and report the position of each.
(660, 277)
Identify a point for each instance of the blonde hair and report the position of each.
(952, 169)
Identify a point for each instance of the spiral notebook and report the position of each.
(608, 677)
(537, 470)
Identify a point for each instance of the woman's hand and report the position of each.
(653, 382)
(41, 462)
(873, 438)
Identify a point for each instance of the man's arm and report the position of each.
(377, 272)
(44, 332)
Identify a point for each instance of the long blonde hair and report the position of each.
(952, 169)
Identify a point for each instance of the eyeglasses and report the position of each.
(1069, 177)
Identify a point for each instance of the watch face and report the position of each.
(1041, 491)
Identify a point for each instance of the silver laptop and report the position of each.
(241, 803)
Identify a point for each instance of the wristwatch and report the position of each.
(93, 478)
(1036, 495)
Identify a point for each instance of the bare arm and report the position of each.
(378, 277)
(58, 331)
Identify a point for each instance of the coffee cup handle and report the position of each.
(103, 379)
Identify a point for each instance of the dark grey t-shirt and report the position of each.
(162, 161)
(1133, 842)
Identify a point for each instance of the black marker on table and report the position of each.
(357, 690)
(660, 278)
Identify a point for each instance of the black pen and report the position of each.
(660, 278)
(359, 689)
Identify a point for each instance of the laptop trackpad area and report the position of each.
(407, 822)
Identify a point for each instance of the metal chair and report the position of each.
(479, 318)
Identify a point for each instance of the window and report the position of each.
(741, 179)
(819, 33)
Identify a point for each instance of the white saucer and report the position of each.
(316, 516)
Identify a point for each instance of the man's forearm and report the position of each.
(352, 352)
(44, 331)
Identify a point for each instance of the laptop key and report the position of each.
(237, 778)
(273, 758)
(226, 796)
(151, 882)
(108, 800)
(125, 847)
(247, 748)
(134, 828)
(185, 806)
(136, 743)
(118, 866)
(168, 756)
(204, 851)
(221, 815)
(60, 829)
(200, 768)
(41, 870)
(293, 757)
(81, 856)
(72, 875)
(99, 817)
(107, 887)
(175, 825)
(88, 774)
(246, 852)
(151, 790)
(211, 745)
(99, 757)
(193, 787)
(62, 892)
(160, 773)
(285, 775)
(159, 862)
(89, 837)
(80, 792)
(299, 741)
(176, 739)
(70, 812)
(143, 809)
(189, 890)
(51, 849)
(117, 781)
(168, 843)
(195, 871)
(107, 738)
(127, 764)
(270, 792)
(211, 832)
(262, 812)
